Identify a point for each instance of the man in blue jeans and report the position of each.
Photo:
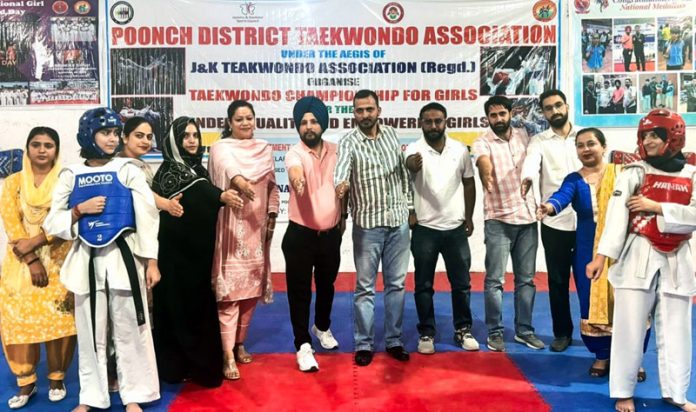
(444, 195)
(510, 227)
(370, 168)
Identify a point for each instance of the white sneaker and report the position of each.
(305, 359)
(426, 345)
(465, 339)
(326, 339)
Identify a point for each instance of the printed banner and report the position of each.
(49, 53)
(634, 56)
(197, 57)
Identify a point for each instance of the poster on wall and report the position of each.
(49, 53)
(197, 58)
(633, 57)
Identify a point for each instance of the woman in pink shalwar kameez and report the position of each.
(241, 265)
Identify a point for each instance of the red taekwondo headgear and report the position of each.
(671, 122)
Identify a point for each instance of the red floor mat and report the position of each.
(447, 381)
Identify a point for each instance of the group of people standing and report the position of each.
(606, 98)
(94, 238)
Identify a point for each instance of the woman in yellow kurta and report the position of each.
(34, 305)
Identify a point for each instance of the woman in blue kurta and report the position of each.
(588, 191)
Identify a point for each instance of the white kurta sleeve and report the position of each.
(532, 161)
(59, 219)
(145, 244)
(614, 235)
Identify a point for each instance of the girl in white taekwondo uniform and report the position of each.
(653, 210)
(100, 204)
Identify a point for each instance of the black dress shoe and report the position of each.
(363, 357)
(398, 353)
(560, 344)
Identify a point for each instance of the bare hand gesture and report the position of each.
(244, 186)
(298, 184)
(152, 274)
(594, 269)
(93, 205)
(232, 199)
(543, 210)
(639, 203)
(174, 208)
(469, 226)
(341, 189)
(22, 246)
(526, 185)
(39, 277)
(414, 163)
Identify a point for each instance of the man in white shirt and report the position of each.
(630, 100)
(444, 198)
(551, 155)
(604, 98)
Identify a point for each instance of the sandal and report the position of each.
(230, 371)
(19, 401)
(642, 375)
(599, 372)
(241, 355)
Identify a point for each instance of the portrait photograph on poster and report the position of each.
(149, 71)
(610, 94)
(634, 44)
(517, 71)
(676, 41)
(595, 41)
(687, 97)
(159, 111)
(658, 90)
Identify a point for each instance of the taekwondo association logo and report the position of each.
(82, 7)
(60, 7)
(121, 12)
(544, 10)
(247, 8)
(393, 12)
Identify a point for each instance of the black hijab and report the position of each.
(667, 162)
(180, 169)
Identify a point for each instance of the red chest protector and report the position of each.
(663, 189)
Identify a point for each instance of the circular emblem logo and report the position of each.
(60, 7)
(393, 12)
(121, 12)
(544, 10)
(82, 7)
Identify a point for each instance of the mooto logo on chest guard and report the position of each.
(101, 229)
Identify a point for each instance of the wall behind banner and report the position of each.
(16, 123)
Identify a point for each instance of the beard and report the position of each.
(311, 139)
(500, 127)
(433, 135)
(559, 121)
(367, 124)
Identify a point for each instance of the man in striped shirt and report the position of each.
(510, 227)
(371, 170)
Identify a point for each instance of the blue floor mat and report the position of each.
(561, 378)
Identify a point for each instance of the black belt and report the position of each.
(128, 260)
(308, 230)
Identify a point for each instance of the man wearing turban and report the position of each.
(312, 241)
